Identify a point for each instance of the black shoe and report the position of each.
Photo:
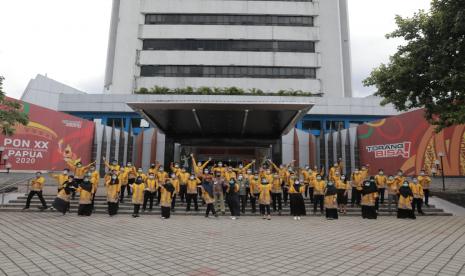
(25, 208)
(42, 208)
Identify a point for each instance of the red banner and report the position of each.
(408, 142)
(49, 140)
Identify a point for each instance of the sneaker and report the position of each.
(295, 218)
(52, 209)
(25, 208)
(233, 218)
(216, 215)
(163, 218)
(134, 216)
(298, 218)
(268, 218)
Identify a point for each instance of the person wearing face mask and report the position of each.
(131, 172)
(264, 198)
(167, 189)
(140, 172)
(37, 184)
(342, 188)
(318, 193)
(192, 184)
(232, 198)
(364, 172)
(95, 180)
(332, 172)
(331, 201)
(151, 188)
(199, 167)
(154, 168)
(425, 182)
(276, 192)
(311, 184)
(208, 195)
(61, 178)
(297, 203)
(243, 169)
(183, 177)
(219, 168)
(113, 166)
(162, 176)
(85, 191)
(138, 188)
(243, 190)
(175, 168)
(175, 182)
(357, 186)
(418, 195)
(254, 184)
(306, 176)
(61, 202)
(405, 205)
(284, 174)
(400, 178)
(230, 173)
(218, 183)
(113, 188)
(381, 180)
(391, 185)
(123, 182)
(369, 195)
(79, 172)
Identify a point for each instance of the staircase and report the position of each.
(127, 207)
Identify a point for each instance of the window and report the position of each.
(311, 125)
(116, 121)
(334, 125)
(227, 71)
(228, 19)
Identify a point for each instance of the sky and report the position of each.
(67, 40)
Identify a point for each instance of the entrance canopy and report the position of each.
(223, 117)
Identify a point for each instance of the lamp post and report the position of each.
(441, 156)
(4, 159)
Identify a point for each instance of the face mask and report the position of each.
(139, 181)
(129, 164)
(405, 184)
(337, 174)
(113, 177)
(240, 166)
(191, 178)
(65, 172)
(399, 174)
(199, 164)
(307, 168)
(231, 182)
(173, 176)
(220, 165)
(140, 171)
(264, 182)
(330, 183)
(363, 168)
(151, 177)
(205, 172)
(86, 179)
(255, 177)
(161, 169)
(176, 166)
(249, 172)
(422, 173)
(297, 182)
(114, 163)
(391, 178)
(38, 175)
(381, 173)
(79, 165)
(240, 177)
(415, 181)
(343, 178)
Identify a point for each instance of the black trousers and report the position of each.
(189, 199)
(173, 202)
(310, 192)
(165, 212)
(264, 208)
(136, 209)
(253, 202)
(210, 207)
(285, 195)
(39, 194)
(93, 200)
(417, 202)
(381, 194)
(158, 195)
(277, 198)
(148, 197)
(112, 208)
(243, 203)
(318, 199)
(182, 192)
(85, 210)
(356, 197)
(426, 191)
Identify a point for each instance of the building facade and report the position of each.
(269, 45)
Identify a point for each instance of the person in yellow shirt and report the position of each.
(276, 193)
(342, 187)
(264, 198)
(151, 188)
(364, 172)
(113, 188)
(400, 178)
(332, 172)
(357, 181)
(123, 182)
(418, 194)
(207, 194)
(425, 182)
(162, 176)
(306, 177)
(85, 191)
(369, 195)
(243, 169)
(154, 168)
(37, 184)
(175, 182)
(131, 173)
(254, 184)
(331, 201)
(95, 180)
(191, 184)
(199, 166)
(311, 183)
(296, 200)
(175, 168)
(232, 198)
(404, 207)
(381, 180)
(166, 189)
(183, 176)
(318, 193)
(391, 185)
(138, 189)
(61, 202)
(113, 166)
(61, 178)
(219, 168)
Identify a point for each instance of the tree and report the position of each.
(10, 113)
(428, 71)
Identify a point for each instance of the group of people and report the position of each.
(219, 186)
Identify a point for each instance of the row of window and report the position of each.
(330, 125)
(229, 45)
(227, 71)
(228, 19)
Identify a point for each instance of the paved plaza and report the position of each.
(51, 244)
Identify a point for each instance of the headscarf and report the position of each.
(169, 187)
(232, 185)
(297, 186)
(330, 189)
(114, 181)
(87, 186)
(369, 187)
(208, 187)
(405, 191)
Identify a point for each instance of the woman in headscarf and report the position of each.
(232, 198)
(404, 206)
(264, 198)
(85, 191)
(369, 195)
(138, 189)
(61, 203)
(113, 188)
(331, 200)
(243, 183)
(342, 186)
(166, 194)
(297, 200)
(208, 195)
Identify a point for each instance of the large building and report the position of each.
(269, 45)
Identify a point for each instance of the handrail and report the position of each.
(17, 183)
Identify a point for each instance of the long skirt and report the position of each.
(85, 210)
(60, 205)
(341, 197)
(165, 212)
(234, 205)
(369, 212)
(331, 213)
(405, 214)
(297, 205)
(113, 208)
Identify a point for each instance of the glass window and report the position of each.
(334, 125)
(311, 125)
